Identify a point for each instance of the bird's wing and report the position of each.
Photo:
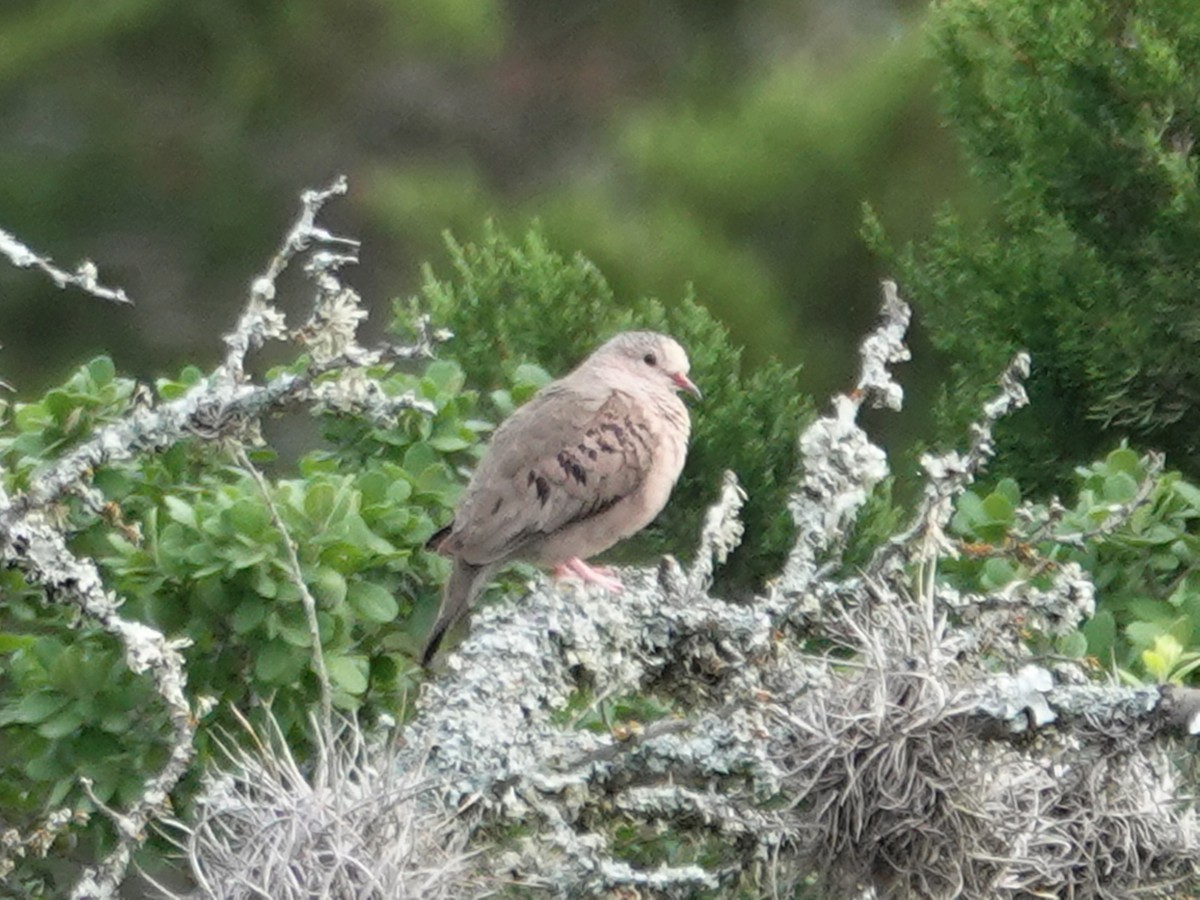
(562, 458)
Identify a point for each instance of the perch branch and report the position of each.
(890, 763)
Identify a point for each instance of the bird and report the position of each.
(588, 461)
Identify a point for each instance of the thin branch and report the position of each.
(950, 473)
(841, 465)
(306, 597)
(86, 277)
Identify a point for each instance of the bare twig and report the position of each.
(85, 277)
(306, 597)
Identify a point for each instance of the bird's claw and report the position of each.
(601, 575)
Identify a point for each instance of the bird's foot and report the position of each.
(601, 575)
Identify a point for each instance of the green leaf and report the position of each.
(11, 642)
(1120, 487)
(1123, 460)
(1164, 562)
(996, 573)
(1188, 492)
(279, 663)
(248, 517)
(969, 513)
(1073, 645)
(102, 370)
(1158, 668)
(318, 501)
(296, 633)
(33, 708)
(180, 511)
(62, 723)
(419, 457)
(328, 586)
(48, 767)
(60, 404)
(349, 673)
(449, 443)
(372, 602)
(399, 491)
(438, 483)
(503, 402)
(998, 508)
(1157, 533)
(1010, 490)
(248, 615)
(62, 787)
(374, 487)
(446, 375)
(1144, 634)
(528, 379)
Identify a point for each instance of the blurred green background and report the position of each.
(726, 144)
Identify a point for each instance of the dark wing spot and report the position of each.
(586, 450)
(604, 505)
(496, 507)
(597, 507)
(639, 431)
(616, 429)
(438, 538)
(571, 467)
(605, 446)
(543, 488)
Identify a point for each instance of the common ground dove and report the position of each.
(589, 460)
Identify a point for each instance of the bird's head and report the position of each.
(651, 357)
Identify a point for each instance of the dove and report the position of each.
(590, 460)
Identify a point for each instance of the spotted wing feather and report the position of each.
(559, 460)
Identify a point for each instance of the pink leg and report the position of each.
(600, 575)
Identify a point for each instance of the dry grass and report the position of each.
(349, 824)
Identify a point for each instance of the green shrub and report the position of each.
(512, 303)
(1146, 572)
(1082, 116)
(188, 540)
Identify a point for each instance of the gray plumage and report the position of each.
(591, 459)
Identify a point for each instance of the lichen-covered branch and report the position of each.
(841, 465)
(888, 762)
(86, 278)
(41, 553)
(950, 473)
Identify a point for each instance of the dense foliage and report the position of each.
(189, 540)
(1082, 116)
(1146, 572)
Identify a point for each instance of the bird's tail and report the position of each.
(465, 584)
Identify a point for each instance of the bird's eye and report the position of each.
(650, 359)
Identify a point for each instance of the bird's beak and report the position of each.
(686, 384)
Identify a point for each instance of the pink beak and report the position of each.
(685, 384)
